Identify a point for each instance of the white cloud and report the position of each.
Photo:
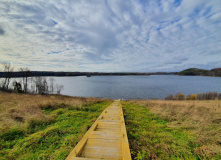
(110, 35)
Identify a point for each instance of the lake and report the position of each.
(137, 87)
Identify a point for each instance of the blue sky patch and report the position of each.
(54, 23)
(55, 52)
(177, 3)
(147, 40)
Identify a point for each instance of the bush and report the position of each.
(188, 97)
(199, 96)
(193, 97)
(181, 96)
(170, 97)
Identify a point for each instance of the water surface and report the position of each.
(137, 87)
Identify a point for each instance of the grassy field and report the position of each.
(162, 129)
(49, 127)
(44, 127)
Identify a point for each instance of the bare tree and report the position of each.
(52, 81)
(8, 69)
(25, 74)
(45, 84)
(33, 85)
(37, 81)
(41, 85)
(59, 88)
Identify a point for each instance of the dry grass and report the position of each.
(200, 118)
(17, 110)
(44, 126)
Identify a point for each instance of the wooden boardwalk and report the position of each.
(106, 139)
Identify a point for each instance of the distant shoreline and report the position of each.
(88, 74)
(216, 72)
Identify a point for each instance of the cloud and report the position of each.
(2, 32)
(111, 35)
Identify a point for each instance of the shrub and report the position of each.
(170, 97)
(193, 97)
(181, 96)
(199, 96)
(188, 97)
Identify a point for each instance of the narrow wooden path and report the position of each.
(106, 139)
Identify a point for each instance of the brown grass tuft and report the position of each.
(24, 110)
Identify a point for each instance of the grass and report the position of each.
(49, 126)
(174, 129)
(50, 130)
(19, 110)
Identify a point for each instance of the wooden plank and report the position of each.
(101, 143)
(106, 139)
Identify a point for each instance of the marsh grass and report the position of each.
(197, 125)
(49, 127)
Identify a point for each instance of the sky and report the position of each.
(111, 35)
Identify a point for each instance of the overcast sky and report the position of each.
(111, 35)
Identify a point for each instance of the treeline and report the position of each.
(43, 73)
(198, 96)
(26, 83)
(201, 72)
(63, 74)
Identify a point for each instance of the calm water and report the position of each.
(137, 87)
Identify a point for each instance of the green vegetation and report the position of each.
(150, 137)
(193, 72)
(53, 138)
(198, 123)
(201, 72)
(198, 96)
(49, 126)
